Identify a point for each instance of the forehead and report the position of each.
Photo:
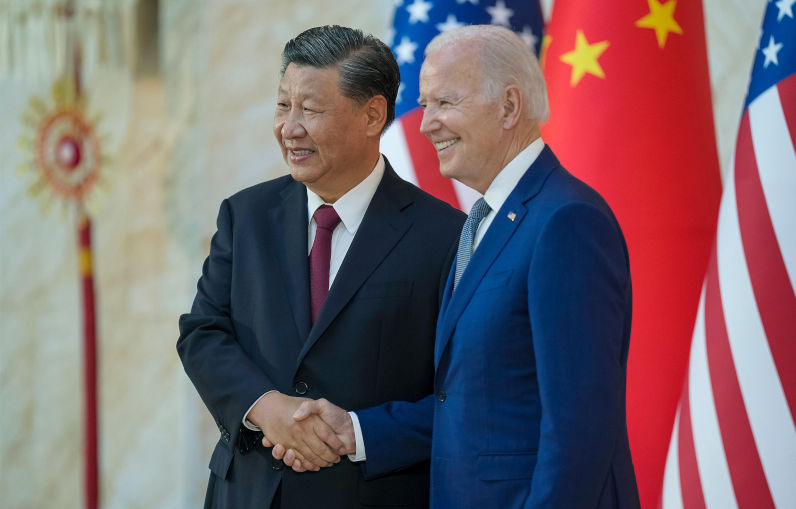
(455, 66)
(307, 81)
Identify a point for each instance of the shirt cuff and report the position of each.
(359, 453)
(248, 424)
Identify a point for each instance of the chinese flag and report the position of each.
(631, 115)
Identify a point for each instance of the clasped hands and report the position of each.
(306, 434)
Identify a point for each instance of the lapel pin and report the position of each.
(512, 216)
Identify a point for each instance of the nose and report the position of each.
(429, 123)
(292, 127)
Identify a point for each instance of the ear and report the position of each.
(513, 104)
(376, 114)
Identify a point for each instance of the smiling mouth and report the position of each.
(442, 145)
(300, 153)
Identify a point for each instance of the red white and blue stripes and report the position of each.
(734, 438)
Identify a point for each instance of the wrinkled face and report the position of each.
(460, 121)
(318, 129)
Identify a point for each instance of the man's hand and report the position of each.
(314, 443)
(335, 417)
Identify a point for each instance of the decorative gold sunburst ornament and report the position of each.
(65, 150)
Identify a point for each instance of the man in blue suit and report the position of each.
(528, 409)
(322, 283)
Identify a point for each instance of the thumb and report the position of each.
(305, 410)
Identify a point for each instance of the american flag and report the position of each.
(415, 23)
(734, 438)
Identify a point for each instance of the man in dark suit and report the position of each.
(323, 283)
(528, 409)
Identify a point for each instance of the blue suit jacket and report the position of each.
(531, 356)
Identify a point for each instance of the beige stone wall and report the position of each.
(180, 142)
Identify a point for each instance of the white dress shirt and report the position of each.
(351, 208)
(495, 196)
(504, 183)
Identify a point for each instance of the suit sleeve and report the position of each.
(578, 301)
(227, 380)
(396, 434)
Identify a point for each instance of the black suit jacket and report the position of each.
(249, 331)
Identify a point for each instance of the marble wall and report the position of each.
(191, 136)
(179, 142)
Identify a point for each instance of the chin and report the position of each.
(299, 174)
(447, 171)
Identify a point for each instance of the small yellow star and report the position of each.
(661, 19)
(583, 58)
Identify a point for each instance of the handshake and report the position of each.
(306, 434)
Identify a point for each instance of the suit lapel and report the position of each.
(500, 231)
(496, 237)
(446, 299)
(289, 220)
(380, 230)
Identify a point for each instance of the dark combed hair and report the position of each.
(366, 65)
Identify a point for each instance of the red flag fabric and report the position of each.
(631, 115)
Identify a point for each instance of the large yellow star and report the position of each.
(583, 58)
(661, 19)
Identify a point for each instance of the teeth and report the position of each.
(302, 152)
(445, 144)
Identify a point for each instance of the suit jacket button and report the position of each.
(441, 396)
(301, 388)
(276, 466)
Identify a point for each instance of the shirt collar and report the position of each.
(505, 181)
(352, 205)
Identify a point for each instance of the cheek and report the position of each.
(483, 134)
(325, 138)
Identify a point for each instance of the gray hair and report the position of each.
(366, 65)
(505, 60)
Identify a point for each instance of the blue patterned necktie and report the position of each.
(477, 214)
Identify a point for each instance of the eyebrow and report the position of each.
(442, 97)
(306, 95)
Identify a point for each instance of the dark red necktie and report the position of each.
(326, 219)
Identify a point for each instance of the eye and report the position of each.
(282, 105)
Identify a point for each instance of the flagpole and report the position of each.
(90, 418)
(91, 470)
